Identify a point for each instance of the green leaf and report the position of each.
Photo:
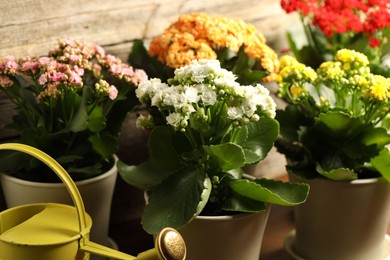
(382, 163)
(174, 203)
(377, 136)
(139, 58)
(104, 144)
(337, 123)
(144, 176)
(240, 203)
(96, 120)
(162, 151)
(261, 137)
(272, 191)
(228, 156)
(340, 174)
(290, 120)
(80, 120)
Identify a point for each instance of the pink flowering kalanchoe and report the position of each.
(70, 104)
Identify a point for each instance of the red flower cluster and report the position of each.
(342, 16)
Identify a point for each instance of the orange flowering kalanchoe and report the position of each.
(199, 36)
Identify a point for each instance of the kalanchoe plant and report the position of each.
(330, 25)
(69, 104)
(238, 46)
(205, 127)
(334, 125)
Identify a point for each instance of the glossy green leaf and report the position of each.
(240, 203)
(382, 163)
(104, 144)
(272, 191)
(180, 198)
(80, 119)
(144, 176)
(340, 174)
(162, 151)
(260, 140)
(227, 155)
(96, 120)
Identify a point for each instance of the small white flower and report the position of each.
(174, 119)
(208, 97)
(147, 89)
(157, 98)
(174, 99)
(144, 121)
(234, 113)
(191, 94)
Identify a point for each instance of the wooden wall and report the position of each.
(32, 27)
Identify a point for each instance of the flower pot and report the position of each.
(225, 237)
(342, 220)
(96, 193)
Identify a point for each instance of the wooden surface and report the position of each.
(31, 27)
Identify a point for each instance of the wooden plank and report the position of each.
(110, 22)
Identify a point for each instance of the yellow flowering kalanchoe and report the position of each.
(337, 114)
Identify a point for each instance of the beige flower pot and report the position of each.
(225, 237)
(342, 220)
(96, 193)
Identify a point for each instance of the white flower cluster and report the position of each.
(199, 85)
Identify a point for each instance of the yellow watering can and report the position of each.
(51, 231)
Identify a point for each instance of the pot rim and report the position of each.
(356, 181)
(60, 184)
(235, 216)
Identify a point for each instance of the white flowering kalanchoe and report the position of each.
(202, 84)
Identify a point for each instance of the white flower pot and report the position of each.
(96, 193)
(342, 220)
(225, 237)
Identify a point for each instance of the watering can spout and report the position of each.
(169, 246)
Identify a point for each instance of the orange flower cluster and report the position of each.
(200, 36)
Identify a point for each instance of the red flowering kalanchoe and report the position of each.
(69, 104)
(330, 25)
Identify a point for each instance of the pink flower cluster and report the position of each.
(71, 65)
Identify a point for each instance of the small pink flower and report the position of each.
(57, 76)
(8, 64)
(44, 60)
(43, 79)
(116, 69)
(5, 81)
(128, 71)
(75, 77)
(74, 58)
(79, 70)
(113, 92)
(141, 75)
(69, 42)
(112, 59)
(99, 50)
(29, 65)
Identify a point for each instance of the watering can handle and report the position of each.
(169, 243)
(61, 173)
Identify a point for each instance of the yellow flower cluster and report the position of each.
(293, 76)
(379, 88)
(200, 36)
(348, 76)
